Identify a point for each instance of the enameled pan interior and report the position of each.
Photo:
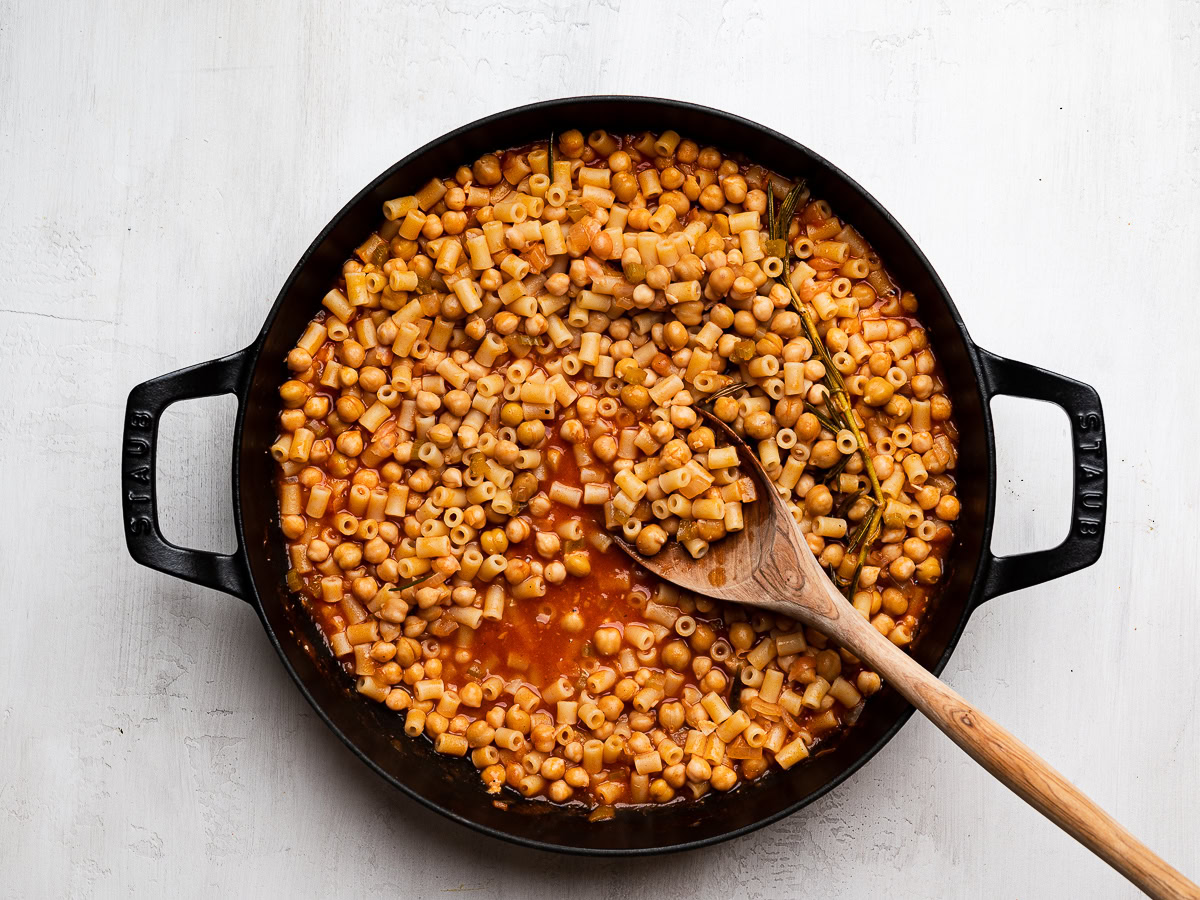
(451, 785)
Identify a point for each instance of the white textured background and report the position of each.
(162, 166)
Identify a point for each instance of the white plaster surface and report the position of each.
(163, 165)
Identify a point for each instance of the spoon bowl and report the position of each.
(767, 564)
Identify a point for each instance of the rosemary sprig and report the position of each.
(852, 587)
(835, 469)
(838, 402)
(779, 224)
(863, 531)
(868, 530)
(771, 229)
(845, 505)
(826, 423)
(726, 391)
(839, 397)
(413, 583)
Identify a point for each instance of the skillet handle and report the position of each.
(1089, 492)
(139, 448)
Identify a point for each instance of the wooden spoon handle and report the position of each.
(1014, 764)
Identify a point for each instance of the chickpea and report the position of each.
(420, 481)
(619, 161)
(291, 419)
(712, 198)
(894, 602)
(939, 407)
(518, 570)
(702, 638)
(351, 352)
(605, 448)
(494, 541)
(734, 187)
(372, 378)
(868, 683)
(316, 407)
(818, 501)
(572, 431)
(350, 442)
(524, 486)
(676, 655)
(547, 544)
(432, 229)
(723, 778)
(571, 143)
(660, 791)
(639, 721)
(318, 550)
(902, 568)
(741, 636)
(607, 640)
(294, 394)
(744, 322)
(877, 392)
(611, 706)
(625, 186)
(698, 770)
(829, 665)
(376, 550)
(672, 715)
(922, 386)
(517, 719)
(916, 549)
(487, 169)
(364, 588)
(626, 688)
(292, 526)
(298, 359)
(457, 403)
(635, 397)
(651, 539)
(726, 409)
(807, 427)
(715, 681)
(639, 219)
(578, 563)
(347, 555)
(511, 414)
(760, 425)
(506, 452)
(719, 282)
(675, 335)
(479, 734)
(531, 433)
(350, 407)
(948, 508)
(553, 768)
(899, 408)
(825, 454)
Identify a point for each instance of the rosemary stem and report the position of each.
(838, 402)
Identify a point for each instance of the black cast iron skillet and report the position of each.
(255, 573)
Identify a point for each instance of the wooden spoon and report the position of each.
(769, 565)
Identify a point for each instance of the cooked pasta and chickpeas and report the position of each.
(510, 368)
